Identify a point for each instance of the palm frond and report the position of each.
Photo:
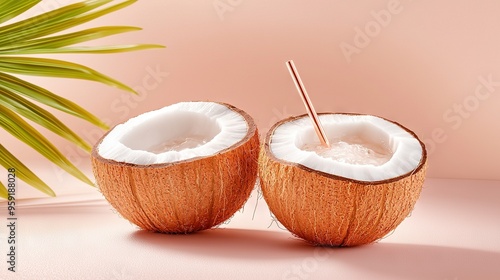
(56, 68)
(93, 50)
(58, 20)
(8, 160)
(35, 35)
(48, 98)
(11, 8)
(41, 116)
(23, 131)
(59, 41)
(3, 191)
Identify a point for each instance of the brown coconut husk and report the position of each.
(330, 210)
(184, 196)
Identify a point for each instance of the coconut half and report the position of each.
(353, 193)
(183, 168)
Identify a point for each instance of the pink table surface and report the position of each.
(453, 233)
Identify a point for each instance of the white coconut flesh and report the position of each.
(174, 133)
(363, 147)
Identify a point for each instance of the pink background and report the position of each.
(452, 234)
(414, 67)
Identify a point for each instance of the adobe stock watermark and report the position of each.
(43, 7)
(309, 265)
(150, 82)
(222, 7)
(49, 5)
(121, 107)
(35, 15)
(363, 36)
(455, 116)
(123, 274)
(278, 115)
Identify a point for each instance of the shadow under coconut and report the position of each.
(382, 260)
(229, 243)
(411, 261)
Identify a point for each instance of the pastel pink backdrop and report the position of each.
(416, 62)
(415, 68)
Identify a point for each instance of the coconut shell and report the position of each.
(325, 209)
(184, 196)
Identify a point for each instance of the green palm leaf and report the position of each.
(56, 68)
(22, 130)
(55, 42)
(8, 160)
(48, 98)
(3, 191)
(12, 8)
(36, 35)
(41, 116)
(85, 49)
(58, 20)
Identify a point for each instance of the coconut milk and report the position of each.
(352, 153)
(179, 144)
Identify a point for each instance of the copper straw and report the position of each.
(308, 104)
